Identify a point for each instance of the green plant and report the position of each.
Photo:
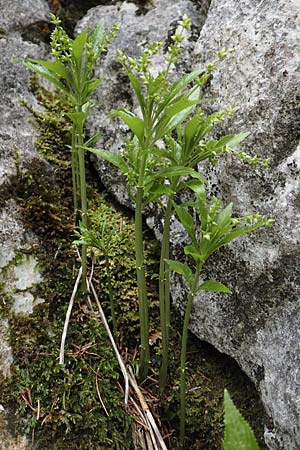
(163, 107)
(237, 435)
(72, 73)
(218, 228)
(102, 241)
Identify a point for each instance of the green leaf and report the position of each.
(42, 71)
(193, 251)
(190, 131)
(56, 67)
(181, 269)
(182, 83)
(90, 87)
(179, 171)
(97, 37)
(231, 140)
(78, 118)
(77, 48)
(113, 158)
(224, 216)
(179, 106)
(132, 121)
(240, 231)
(187, 221)
(93, 140)
(237, 435)
(137, 89)
(155, 191)
(214, 286)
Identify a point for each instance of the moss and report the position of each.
(60, 405)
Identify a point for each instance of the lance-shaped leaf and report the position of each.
(194, 252)
(187, 221)
(181, 269)
(49, 75)
(56, 67)
(176, 113)
(77, 48)
(231, 140)
(214, 286)
(224, 216)
(132, 121)
(97, 37)
(178, 171)
(78, 118)
(154, 191)
(135, 82)
(180, 84)
(113, 158)
(237, 435)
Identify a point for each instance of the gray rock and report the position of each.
(18, 15)
(138, 28)
(258, 325)
(17, 152)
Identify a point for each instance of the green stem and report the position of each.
(111, 297)
(164, 297)
(74, 169)
(141, 282)
(81, 158)
(184, 337)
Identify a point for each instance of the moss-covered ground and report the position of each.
(62, 406)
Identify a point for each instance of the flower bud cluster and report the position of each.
(61, 43)
(255, 160)
(140, 64)
(252, 219)
(174, 49)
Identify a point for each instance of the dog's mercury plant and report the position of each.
(102, 241)
(72, 73)
(218, 228)
(163, 107)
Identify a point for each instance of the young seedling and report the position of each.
(102, 241)
(218, 228)
(72, 73)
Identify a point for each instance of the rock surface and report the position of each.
(258, 325)
(19, 24)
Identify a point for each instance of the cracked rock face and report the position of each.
(17, 151)
(258, 324)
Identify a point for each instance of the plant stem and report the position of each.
(164, 296)
(141, 282)
(184, 337)
(111, 297)
(81, 158)
(74, 160)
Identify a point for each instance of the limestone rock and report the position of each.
(17, 15)
(18, 22)
(258, 325)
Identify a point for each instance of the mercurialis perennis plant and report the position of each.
(71, 72)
